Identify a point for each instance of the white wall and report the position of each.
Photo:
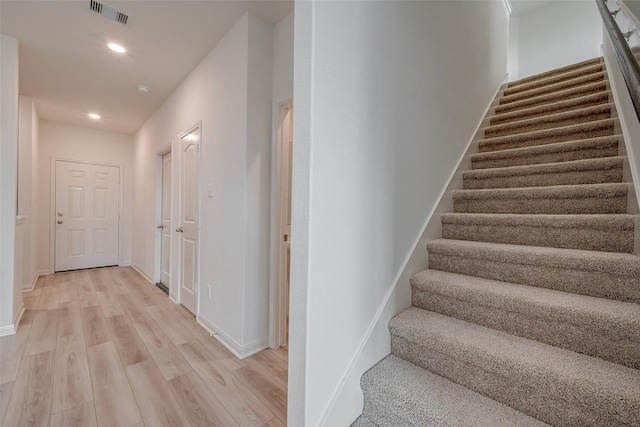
(68, 142)
(27, 180)
(513, 51)
(10, 289)
(387, 97)
(558, 34)
(283, 60)
(230, 92)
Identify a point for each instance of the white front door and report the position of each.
(86, 218)
(188, 224)
(165, 241)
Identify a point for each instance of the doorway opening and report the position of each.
(281, 240)
(164, 206)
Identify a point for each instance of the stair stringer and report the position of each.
(629, 127)
(398, 296)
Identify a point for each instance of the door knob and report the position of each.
(179, 229)
(160, 226)
(59, 213)
(59, 222)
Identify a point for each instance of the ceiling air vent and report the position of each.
(108, 12)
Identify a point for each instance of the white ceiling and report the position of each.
(66, 67)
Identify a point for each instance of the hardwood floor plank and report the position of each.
(27, 317)
(30, 403)
(83, 415)
(130, 305)
(94, 325)
(70, 320)
(130, 348)
(43, 332)
(30, 301)
(283, 352)
(113, 398)
(269, 391)
(11, 351)
(270, 361)
(243, 406)
(141, 295)
(5, 396)
(87, 295)
(109, 304)
(201, 406)
(68, 292)
(276, 422)
(118, 285)
(183, 312)
(167, 357)
(49, 298)
(97, 279)
(175, 330)
(155, 400)
(71, 379)
(214, 346)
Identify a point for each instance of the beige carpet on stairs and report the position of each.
(529, 313)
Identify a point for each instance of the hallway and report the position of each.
(106, 348)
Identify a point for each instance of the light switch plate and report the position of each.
(210, 190)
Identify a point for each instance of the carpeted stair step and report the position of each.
(597, 327)
(567, 118)
(553, 108)
(398, 393)
(556, 71)
(557, 87)
(555, 385)
(599, 274)
(593, 129)
(606, 146)
(559, 199)
(607, 233)
(589, 171)
(554, 97)
(550, 80)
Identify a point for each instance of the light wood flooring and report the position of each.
(105, 347)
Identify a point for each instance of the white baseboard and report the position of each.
(18, 316)
(29, 287)
(7, 330)
(238, 350)
(142, 273)
(11, 329)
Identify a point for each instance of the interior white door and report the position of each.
(165, 241)
(188, 229)
(86, 216)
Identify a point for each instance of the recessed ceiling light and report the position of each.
(116, 48)
(143, 89)
(94, 116)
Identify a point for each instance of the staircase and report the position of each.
(529, 312)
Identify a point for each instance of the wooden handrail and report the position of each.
(628, 64)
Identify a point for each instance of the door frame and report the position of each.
(277, 296)
(176, 281)
(52, 206)
(157, 249)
